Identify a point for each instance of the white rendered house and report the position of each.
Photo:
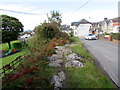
(82, 27)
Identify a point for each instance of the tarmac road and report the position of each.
(106, 53)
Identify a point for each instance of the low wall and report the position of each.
(116, 41)
(108, 39)
(103, 38)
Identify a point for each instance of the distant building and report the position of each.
(114, 25)
(107, 26)
(81, 27)
(66, 28)
(23, 36)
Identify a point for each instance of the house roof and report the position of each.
(107, 21)
(116, 19)
(103, 22)
(82, 21)
(74, 23)
(94, 23)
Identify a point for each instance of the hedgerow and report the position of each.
(116, 36)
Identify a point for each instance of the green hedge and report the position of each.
(106, 34)
(116, 36)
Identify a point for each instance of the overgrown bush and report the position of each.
(71, 34)
(34, 70)
(61, 35)
(116, 36)
(45, 35)
(49, 31)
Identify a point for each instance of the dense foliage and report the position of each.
(72, 33)
(116, 36)
(47, 35)
(33, 71)
(106, 34)
(49, 31)
(11, 27)
(56, 17)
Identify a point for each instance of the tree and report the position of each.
(55, 16)
(11, 27)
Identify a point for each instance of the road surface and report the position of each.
(106, 53)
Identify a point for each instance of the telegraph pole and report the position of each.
(47, 18)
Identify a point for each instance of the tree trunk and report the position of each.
(9, 44)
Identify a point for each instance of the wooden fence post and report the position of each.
(4, 68)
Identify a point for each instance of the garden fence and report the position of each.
(9, 67)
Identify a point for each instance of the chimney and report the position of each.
(105, 19)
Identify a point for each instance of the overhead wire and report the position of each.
(40, 14)
(76, 10)
(19, 12)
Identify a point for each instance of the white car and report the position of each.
(90, 37)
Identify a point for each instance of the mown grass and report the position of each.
(6, 60)
(88, 76)
(17, 44)
(10, 58)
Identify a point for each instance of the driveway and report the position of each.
(106, 53)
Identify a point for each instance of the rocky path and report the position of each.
(62, 59)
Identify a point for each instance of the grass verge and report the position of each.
(88, 76)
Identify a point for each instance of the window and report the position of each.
(118, 28)
(90, 34)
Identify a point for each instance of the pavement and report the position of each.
(106, 53)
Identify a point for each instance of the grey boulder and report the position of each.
(73, 63)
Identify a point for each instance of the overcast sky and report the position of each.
(94, 10)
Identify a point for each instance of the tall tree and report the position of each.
(11, 27)
(55, 16)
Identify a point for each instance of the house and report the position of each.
(101, 26)
(81, 27)
(23, 36)
(114, 25)
(84, 27)
(94, 28)
(74, 26)
(107, 26)
(66, 28)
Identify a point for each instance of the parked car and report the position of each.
(90, 37)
